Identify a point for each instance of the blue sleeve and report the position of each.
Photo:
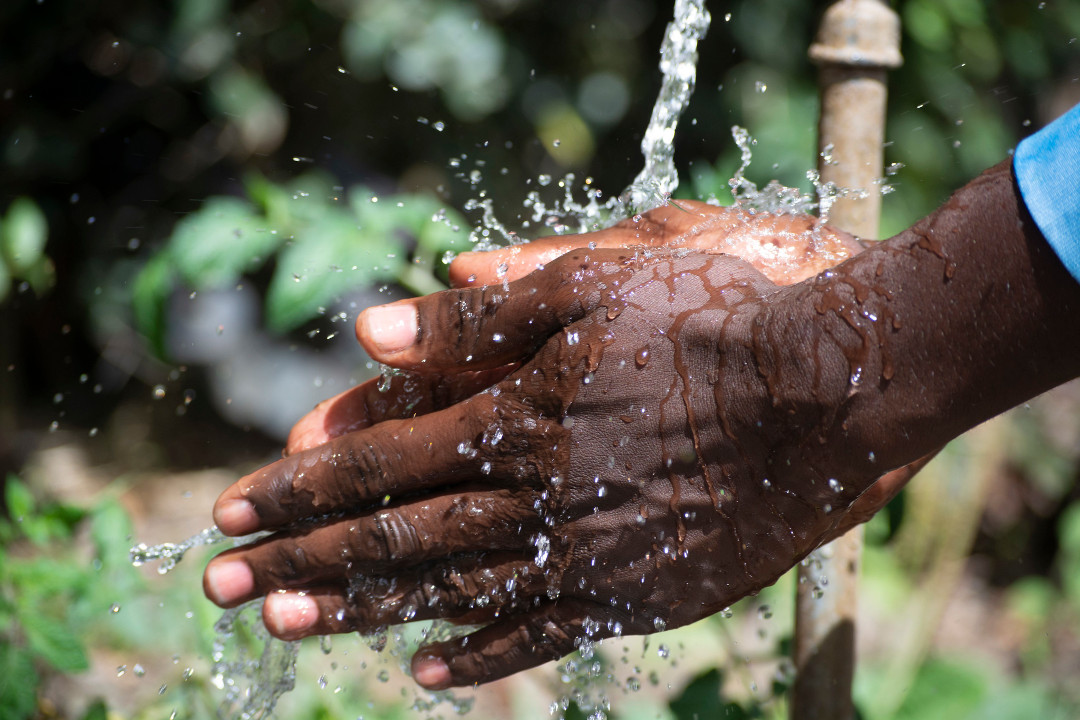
(1047, 166)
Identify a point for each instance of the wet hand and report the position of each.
(627, 475)
(785, 248)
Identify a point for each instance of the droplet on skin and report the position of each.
(642, 357)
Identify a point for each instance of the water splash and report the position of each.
(251, 667)
(172, 553)
(777, 198)
(658, 178)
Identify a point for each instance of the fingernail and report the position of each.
(431, 671)
(390, 327)
(228, 581)
(236, 517)
(289, 613)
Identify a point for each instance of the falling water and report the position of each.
(678, 64)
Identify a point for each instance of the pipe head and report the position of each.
(858, 33)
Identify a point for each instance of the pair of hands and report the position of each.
(590, 449)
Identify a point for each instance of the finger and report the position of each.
(654, 228)
(374, 401)
(786, 248)
(510, 645)
(365, 469)
(438, 591)
(880, 493)
(395, 537)
(478, 328)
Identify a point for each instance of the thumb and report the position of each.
(491, 326)
(516, 643)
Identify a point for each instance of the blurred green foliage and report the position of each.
(49, 599)
(322, 249)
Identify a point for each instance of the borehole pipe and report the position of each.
(857, 43)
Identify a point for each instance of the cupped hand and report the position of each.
(631, 472)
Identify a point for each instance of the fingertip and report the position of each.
(227, 582)
(388, 329)
(431, 671)
(235, 516)
(289, 615)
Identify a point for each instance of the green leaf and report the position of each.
(945, 689)
(111, 531)
(212, 247)
(53, 642)
(18, 498)
(23, 235)
(332, 256)
(303, 200)
(96, 711)
(439, 236)
(701, 698)
(150, 293)
(18, 683)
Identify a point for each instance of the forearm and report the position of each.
(949, 323)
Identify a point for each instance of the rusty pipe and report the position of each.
(857, 43)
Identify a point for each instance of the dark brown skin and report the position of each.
(680, 428)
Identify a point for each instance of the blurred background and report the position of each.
(198, 196)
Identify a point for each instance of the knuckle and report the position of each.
(546, 638)
(394, 536)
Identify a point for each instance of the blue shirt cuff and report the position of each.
(1047, 166)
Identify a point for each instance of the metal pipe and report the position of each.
(857, 42)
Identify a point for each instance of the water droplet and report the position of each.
(835, 485)
(642, 357)
(760, 87)
(159, 392)
(114, 608)
(764, 612)
(543, 548)
(663, 651)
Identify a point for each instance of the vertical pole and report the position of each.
(857, 42)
